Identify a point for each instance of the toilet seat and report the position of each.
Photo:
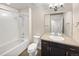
(32, 47)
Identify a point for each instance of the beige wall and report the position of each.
(75, 22)
(37, 21)
(68, 19)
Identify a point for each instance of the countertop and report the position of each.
(67, 40)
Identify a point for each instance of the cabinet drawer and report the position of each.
(73, 53)
(74, 49)
(59, 45)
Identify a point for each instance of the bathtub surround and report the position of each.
(14, 48)
(13, 40)
(8, 26)
(23, 23)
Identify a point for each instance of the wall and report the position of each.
(37, 21)
(76, 22)
(68, 19)
(47, 23)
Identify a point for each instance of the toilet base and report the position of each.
(33, 54)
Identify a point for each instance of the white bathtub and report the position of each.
(14, 48)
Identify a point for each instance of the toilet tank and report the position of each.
(36, 38)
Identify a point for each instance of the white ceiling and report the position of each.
(20, 6)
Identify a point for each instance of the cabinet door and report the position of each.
(45, 49)
(58, 51)
(52, 49)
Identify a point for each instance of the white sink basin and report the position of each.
(56, 38)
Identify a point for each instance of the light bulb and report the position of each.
(51, 5)
(56, 4)
(8, 3)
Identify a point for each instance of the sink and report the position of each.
(56, 38)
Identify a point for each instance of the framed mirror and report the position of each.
(59, 23)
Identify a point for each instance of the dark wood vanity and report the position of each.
(67, 47)
(57, 49)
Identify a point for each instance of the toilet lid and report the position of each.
(32, 46)
(36, 36)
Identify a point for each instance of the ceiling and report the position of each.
(20, 6)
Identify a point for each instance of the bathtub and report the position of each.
(14, 48)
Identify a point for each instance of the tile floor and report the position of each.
(25, 53)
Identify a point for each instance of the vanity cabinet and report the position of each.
(45, 48)
(58, 49)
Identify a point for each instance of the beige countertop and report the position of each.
(67, 40)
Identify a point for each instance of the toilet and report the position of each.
(32, 48)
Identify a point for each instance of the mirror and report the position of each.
(57, 24)
(54, 23)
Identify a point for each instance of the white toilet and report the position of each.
(32, 48)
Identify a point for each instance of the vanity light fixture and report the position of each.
(55, 6)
